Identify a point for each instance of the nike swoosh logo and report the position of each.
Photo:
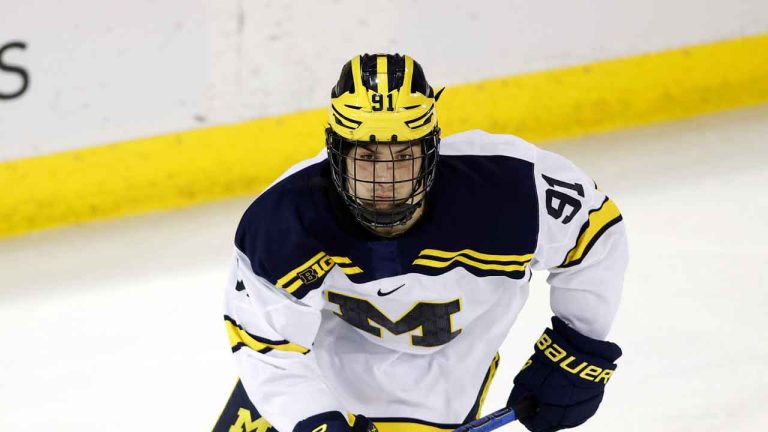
(382, 294)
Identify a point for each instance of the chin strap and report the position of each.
(376, 219)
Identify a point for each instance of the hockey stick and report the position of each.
(499, 418)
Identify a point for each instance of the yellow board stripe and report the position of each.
(191, 167)
(471, 262)
(294, 273)
(615, 94)
(475, 254)
(599, 221)
(238, 336)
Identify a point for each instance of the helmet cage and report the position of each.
(348, 184)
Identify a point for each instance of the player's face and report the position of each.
(383, 176)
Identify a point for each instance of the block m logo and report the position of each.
(434, 319)
(245, 423)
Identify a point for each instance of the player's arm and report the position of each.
(271, 335)
(582, 242)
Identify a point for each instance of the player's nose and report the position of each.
(384, 171)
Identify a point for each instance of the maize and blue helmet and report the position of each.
(382, 99)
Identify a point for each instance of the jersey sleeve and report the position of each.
(582, 242)
(271, 336)
(273, 313)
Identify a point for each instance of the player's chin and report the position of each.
(379, 206)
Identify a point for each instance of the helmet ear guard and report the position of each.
(382, 100)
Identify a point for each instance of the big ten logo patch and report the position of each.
(11, 88)
(317, 270)
(245, 423)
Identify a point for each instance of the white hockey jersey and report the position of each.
(323, 316)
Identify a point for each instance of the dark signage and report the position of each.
(7, 68)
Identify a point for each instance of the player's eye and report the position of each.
(365, 156)
(403, 156)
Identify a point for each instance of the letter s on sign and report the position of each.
(21, 72)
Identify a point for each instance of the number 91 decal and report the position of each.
(377, 102)
(558, 202)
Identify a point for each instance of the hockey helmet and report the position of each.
(382, 101)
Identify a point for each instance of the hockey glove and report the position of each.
(334, 421)
(566, 376)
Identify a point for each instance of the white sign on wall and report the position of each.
(85, 73)
(98, 72)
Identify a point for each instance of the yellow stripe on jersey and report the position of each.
(598, 222)
(351, 270)
(348, 268)
(487, 384)
(341, 260)
(516, 262)
(478, 255)
(465, 260)
(386, 426)
(294, 286)
(239, 337)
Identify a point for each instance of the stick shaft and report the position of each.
(499, 418)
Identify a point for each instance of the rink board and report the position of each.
(191, 167)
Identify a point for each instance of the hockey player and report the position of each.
(372, 286)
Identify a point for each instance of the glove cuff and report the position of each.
(605, 350)
(585, 361)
